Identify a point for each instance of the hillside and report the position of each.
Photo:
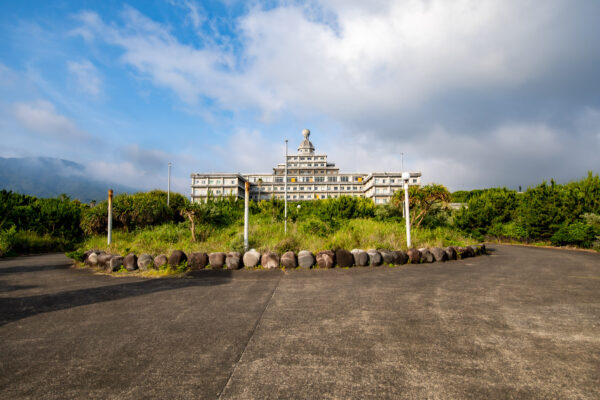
(51, 177)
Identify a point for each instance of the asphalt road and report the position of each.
(520, 323)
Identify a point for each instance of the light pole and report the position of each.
(246, 213)
(285, 189)
(402, 158)
(169, 185)
(110, 198)
(406, 178)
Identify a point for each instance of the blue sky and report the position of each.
(474, 93)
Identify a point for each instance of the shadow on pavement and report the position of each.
(16, 308)
(33, 268)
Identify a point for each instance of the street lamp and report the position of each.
(285, 189)
(406, 178)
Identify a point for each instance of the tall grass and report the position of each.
(268, 235)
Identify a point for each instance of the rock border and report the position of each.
(304, 259)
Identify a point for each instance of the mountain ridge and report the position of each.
(51, 177)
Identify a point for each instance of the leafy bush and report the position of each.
(7, 240)
(134, 211)
(578, 233)
(76, 254)
(315, 226)
(487, 208)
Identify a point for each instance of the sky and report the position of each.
(474, 94)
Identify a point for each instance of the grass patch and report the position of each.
(265, 235)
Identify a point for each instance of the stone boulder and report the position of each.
(115, 263)
(474, 249)
(103, 260)
(160, 260)
(414, 256)
(269, 260)
(400, 257)
(92, 260)
(233, 260)
(344, 258)
(450, 252)
(86, 256)
(439, 254)
(288, 260)
(217, 260)
(197, 260)
(251, 258)
(176, 258)
(361, 258)
(482, 249)
(375, 258)
(306, 259)
(326, 259)
(464, 252)
(145, 262)
(426, 256)
(130, 262)
(386, 256)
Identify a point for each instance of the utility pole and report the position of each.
(169, 186)
(406, 178)
(402, 157)
(285, 189)
(110, 198)
(246, 200)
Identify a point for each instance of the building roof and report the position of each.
(306, 147)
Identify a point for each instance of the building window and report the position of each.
(343, 178)
(332, 179)
(391, 181)
(414, 181)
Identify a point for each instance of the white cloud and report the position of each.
(370, 67)
(370, 61)
(41, 117)
(86, 77)
(249, 151)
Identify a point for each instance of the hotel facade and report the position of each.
(309, 177)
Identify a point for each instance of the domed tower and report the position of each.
(306, 147)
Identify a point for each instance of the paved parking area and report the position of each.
(520, 323)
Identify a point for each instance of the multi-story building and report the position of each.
(309, 177)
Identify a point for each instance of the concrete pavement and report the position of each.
(520, 323)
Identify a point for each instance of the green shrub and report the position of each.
(315, 226)
(77, 254)
(578, 233)
(8, 238)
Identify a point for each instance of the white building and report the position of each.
(310, 177)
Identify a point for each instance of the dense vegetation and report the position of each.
(29, 224)
(556, 214)
(561, 214)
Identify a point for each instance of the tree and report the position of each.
(421, 200)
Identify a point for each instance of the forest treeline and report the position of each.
(561, 214)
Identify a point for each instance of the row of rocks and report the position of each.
(304, 259)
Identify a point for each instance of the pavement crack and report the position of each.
(239, 359)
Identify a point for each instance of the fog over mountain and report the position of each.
(51, 177)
